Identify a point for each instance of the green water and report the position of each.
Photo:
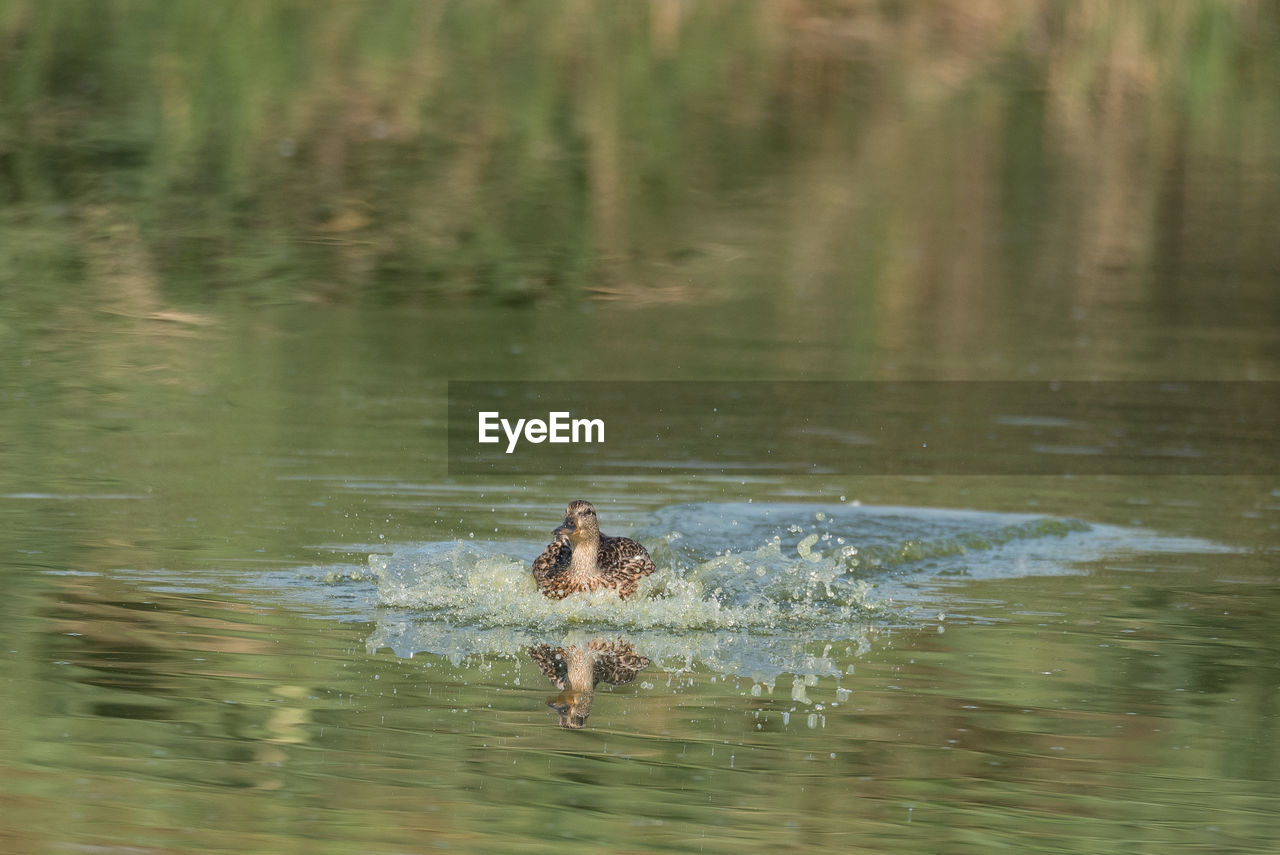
(197, 656)
(242, 255)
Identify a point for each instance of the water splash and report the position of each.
(788, 577)
(741, 589)
(484, 586)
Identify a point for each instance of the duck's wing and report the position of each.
(552, 664)
(623, 561)
(624, 557)
(553, 561)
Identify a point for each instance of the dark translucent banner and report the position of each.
(864, 428)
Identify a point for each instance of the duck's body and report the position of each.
(580, 558)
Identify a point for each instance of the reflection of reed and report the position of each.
(203, 663)
(613, 149)
(576, 671)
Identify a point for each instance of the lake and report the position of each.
(255, 602)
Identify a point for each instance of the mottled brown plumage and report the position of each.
(580, 558)
(575, 671)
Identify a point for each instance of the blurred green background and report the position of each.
(936, 157)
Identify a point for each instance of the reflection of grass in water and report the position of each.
(401, 149)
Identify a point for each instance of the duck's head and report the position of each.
(579, 523)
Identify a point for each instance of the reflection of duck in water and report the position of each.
(576, 671)
(580, 558)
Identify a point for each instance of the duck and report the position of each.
(581, 558)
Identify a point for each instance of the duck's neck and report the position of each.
(583, 562)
